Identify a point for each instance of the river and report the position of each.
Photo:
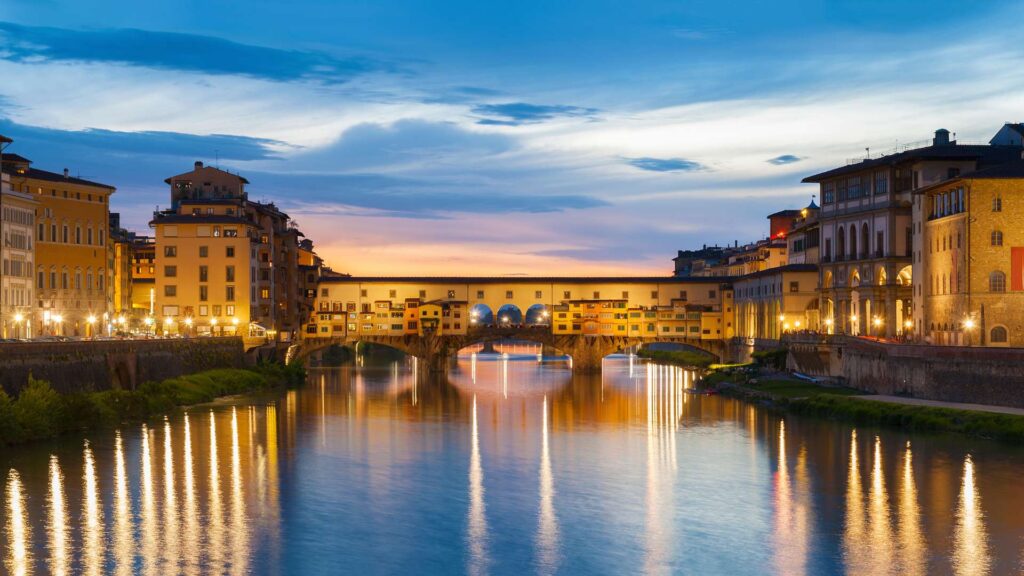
(510, 465)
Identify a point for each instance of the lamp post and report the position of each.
(58, 329)
(213, 326)
(188, 326)
(853, 324)
(149, 324)
(17, 323)
(877, 321)
(828, 325)
(91, 323)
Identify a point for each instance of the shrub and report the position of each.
(10, 430)
(771, 358)
(38, 410)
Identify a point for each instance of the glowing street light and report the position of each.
(969, 324)
(18, 318)
(877, 321)
(188, 322)
(908, 324)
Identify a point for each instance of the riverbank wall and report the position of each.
(90, 366)
(947, 373)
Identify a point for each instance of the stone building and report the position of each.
(971, 261)
(867, 230)
(17, 250)
(777, 300)
(225, 264)
(71, 256)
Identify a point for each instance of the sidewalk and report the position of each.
(940, 404)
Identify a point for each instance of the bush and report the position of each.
(39, 410)
(10, 430)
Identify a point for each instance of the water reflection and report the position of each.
(970, 554)
(477, 520)
(92, 516)
(57, 527)
(628, 472)
(19, 534)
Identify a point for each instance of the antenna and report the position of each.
(868, 151)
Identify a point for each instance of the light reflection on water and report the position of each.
(509, 466)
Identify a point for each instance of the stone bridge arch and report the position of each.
(436, 351)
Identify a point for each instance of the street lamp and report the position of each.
(969, 327)
(91, 321)
(877, 321)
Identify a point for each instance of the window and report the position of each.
(231, 232)
(997, 282)
(451, 294)
(997, 204)
(682, 294)
(392, 293)
(229, 293)
(78, 234)
(204, 293)
(53, 232)
(170, 271)
(101, 238)
(997, 238)
(170, 290)
(423, 293)
(42, 232)
(216, 309)
(204, 274)
(508, 294)
(170, 231)
(204, 310)
(64, 234)
(828, 192)
(538, 294)
(479, 294)
(170, 251)
(566, 295)
(881, 183)
(230, 251)
(265, 293)
(654, 294)
(625, 294)
(229, 309)
(712, 294)
(952, 173)
(998, 335)
(794, 286)
(40, 281)
(229, 273)
(88, 236)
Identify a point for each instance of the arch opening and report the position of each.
(509, 315)
(481, 315)
(537, 315)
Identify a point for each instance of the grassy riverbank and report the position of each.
(838, 403)
(677, 357)
(39, 412)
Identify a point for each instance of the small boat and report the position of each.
(806, 378)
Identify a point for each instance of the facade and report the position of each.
(971, 261)
(122, 260)
(225, 264)
(777, 300)
(143, 280)
(804, 239)
(71, 252)
(17, 225)
(589, 306)
(867, 231)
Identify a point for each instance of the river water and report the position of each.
(510, 465)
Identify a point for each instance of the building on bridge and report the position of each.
(695, 308)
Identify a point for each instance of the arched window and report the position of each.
(865, 241)
(997, 282)
(997, 238)
(997, 335)
(853, 242)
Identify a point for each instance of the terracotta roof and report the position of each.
(531, 279)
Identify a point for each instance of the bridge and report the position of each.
(586, 318)
(436, 351)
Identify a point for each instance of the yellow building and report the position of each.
(972, 258)
(778, 300)
(71, 257)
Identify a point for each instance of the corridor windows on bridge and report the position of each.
(451, 294)
(654, 294)
(423, 293)
(479, 294)
(567, 295)
(204, 310)
(682, 294)
(997, 204)
(508, 294)
(597, 295)
(392, 293)
(998, 335)
(538, 294)
(362, 293)
(625, 294)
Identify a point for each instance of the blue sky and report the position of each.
(499, 137)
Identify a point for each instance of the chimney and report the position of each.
(65, 173)
(941, 137)
(198, 164)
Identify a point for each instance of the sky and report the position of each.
(446, 138)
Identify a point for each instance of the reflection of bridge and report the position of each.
(436, 351)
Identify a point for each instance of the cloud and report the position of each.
(519, 113)
(784, 159)
(176, 51)
(93, 140)
(665, 164)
